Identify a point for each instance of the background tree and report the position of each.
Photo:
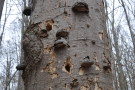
(1, 7)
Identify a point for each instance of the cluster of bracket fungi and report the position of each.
(61, 35)
(81, 7)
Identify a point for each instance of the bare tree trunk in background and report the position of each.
(121, 77)
(20, 81)
(118, 67)
(1, 7)
(129, 24)
(83, 64)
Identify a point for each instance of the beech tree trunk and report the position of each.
(77, 59)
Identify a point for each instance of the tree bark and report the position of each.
(81, 64)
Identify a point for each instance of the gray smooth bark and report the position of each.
(83, 64)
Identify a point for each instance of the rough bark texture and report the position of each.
(82, 64)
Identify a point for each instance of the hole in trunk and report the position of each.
(101, 35)
(49, 25)
(107, 68)
(67, 67)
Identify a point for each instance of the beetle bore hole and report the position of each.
(93, 42)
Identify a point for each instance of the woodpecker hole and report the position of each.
(101, 34)
(68, 66)
(107, 68)
(49, 25)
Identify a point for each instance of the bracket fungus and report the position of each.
(60, 43)
(21, 66)
(27, 11)
(87, 64)
(80, 7)
(62, 33)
